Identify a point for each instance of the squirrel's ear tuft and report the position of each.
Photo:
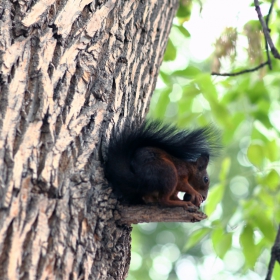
(202, 162)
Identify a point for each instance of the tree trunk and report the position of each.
(70, 70)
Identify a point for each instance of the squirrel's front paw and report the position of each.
(190, 207)
(196, 198)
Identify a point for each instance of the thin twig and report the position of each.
(240, 72)
(269, 12)
(267, 54)
(274, 255)
(265, 41)
(266, 31)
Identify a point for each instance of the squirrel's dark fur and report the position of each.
(153, 162)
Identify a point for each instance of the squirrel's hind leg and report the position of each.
(165, 200)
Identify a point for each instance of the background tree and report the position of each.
(243, 205)
(70, 71)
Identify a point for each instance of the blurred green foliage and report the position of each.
(244, 200)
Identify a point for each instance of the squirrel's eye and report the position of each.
(205, 179)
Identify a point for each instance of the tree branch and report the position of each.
(275, 255)
(136, 214)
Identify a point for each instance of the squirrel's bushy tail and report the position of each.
(183, 144)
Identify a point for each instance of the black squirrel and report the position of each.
(153, 162)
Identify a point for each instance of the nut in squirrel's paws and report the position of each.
(187, 197)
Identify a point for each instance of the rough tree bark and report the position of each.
(70, 70)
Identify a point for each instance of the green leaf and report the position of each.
(248, 244)
(235, 121)
(216, 193)
(165, 77)
(186, 102)
(265, 225)
(162, 104)
(262, 117)
(220, 112)
(225, 169)
(221, 242)
(254, 24)
(272, 180)
(266, 198)
(184, 10)
(277, 214)
(255, 154)
(235, 91)
(183, 30)
(190, 72)
(207, 87)
(276, 271)
(264, 106)
(257, 92)
(272, 150)
(171, 51)
(215, 196)
(196, 237)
